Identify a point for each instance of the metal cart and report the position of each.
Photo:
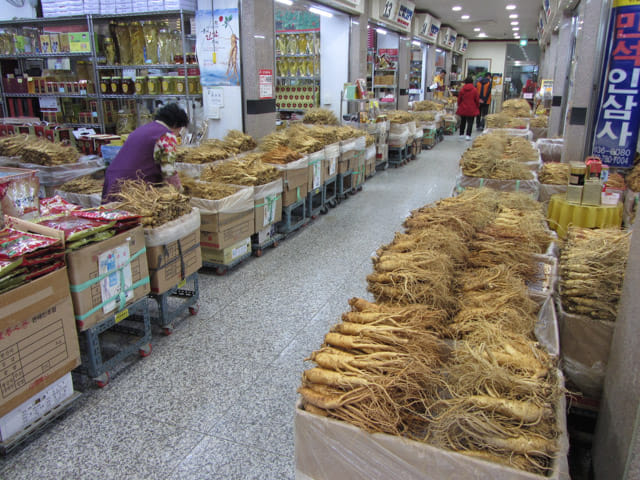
(108, 343)
(175, 302)
(293, 217)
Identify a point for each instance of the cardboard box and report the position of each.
(38, 338)
(36, 407)
(317, 439)
(592, 192)
(222, 230)
(268, 210)
(295, 185)
(84, 267)
(344, 163)
(227, 255)
(574, 194)
(170, 264)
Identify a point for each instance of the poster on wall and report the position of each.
(218, 47)
(616, 134)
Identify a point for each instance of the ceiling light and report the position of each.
(513, 15)
(510, 7)
(438, 50)
(317, 11)
(476, 29)
(482, 35)
(515, 23)
(515, 29)
(457, 8)
(381, 31)
(465, 17)
(258, 36)
(286, 2)
(355, 22)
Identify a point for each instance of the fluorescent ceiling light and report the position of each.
(510, 7)
(258, 36)
(317, 11)
(286, 2)
(465, 17)
(482, 35)
(381, 31)
(515, 29)
(515, 23)
(438, 50)
(355, 22)
(513, 15)
(457, 8)
(416, 43)
(477, 29)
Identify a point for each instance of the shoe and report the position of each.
(461, 136)
(467, 137)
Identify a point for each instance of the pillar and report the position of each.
(404, 57)
(257, 41)
(358, 48)
(581, 114)
(616, 445)
(562, 44)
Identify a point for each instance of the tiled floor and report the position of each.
(215, 400)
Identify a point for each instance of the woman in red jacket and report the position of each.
(468, 106)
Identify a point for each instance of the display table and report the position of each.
(562, 214)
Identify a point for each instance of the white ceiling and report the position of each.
(488, 15)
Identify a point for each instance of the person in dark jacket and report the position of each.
(484, 93)
(468, 106)
(149, 152)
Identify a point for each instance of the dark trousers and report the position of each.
(468, 121)
(484, 109)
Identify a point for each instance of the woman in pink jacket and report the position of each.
(468, 106)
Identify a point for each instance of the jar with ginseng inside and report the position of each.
(110, 51)
(180, 85)
(141, 85)
(169, 84)
(116, 85)
(153, 84)
(194, 84)
(128, 86)
(105, 84)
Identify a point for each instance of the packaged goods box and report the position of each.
(173, 251)
(227, 221)
(38, 338)
(295, 181)
(36, 407)
(226, 256)
(330, 162)
(19, 192)
(98, 272)
(268, 204)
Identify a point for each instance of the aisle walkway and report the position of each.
(216, 399)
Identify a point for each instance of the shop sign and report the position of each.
(426, 24)
(388, 9)
(434, 29)
(462, 44)
(405, 13)
(616, 134)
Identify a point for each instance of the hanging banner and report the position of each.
(218, 46)
(434, 29)
(616, 134)
(405, 13)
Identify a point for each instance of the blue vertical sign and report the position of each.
(616, 134)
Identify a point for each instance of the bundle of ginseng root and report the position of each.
(378, 368)
(592, 268)
(500, 401)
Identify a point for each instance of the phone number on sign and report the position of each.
(615, 156)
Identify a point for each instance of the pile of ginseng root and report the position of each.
(592, 265)
(446, 352)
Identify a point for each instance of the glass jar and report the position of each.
(194, 84)
(178, 58)
(192, 59)
(153, 84)
(116, 85)
(105, 84)
(180, 86)
(110, 51)
(141, 85)
(128, 86)
(169, 85)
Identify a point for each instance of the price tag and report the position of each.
(121, 315)
(182, 283)
(129, 73)
(528, 96)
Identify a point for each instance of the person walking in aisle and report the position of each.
(468, 106)
(484, 93)
(439, 81)
(149, 152)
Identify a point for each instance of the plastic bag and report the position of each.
(14, 243)
(55, 205)
(75, 228)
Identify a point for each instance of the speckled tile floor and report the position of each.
(215, 400)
